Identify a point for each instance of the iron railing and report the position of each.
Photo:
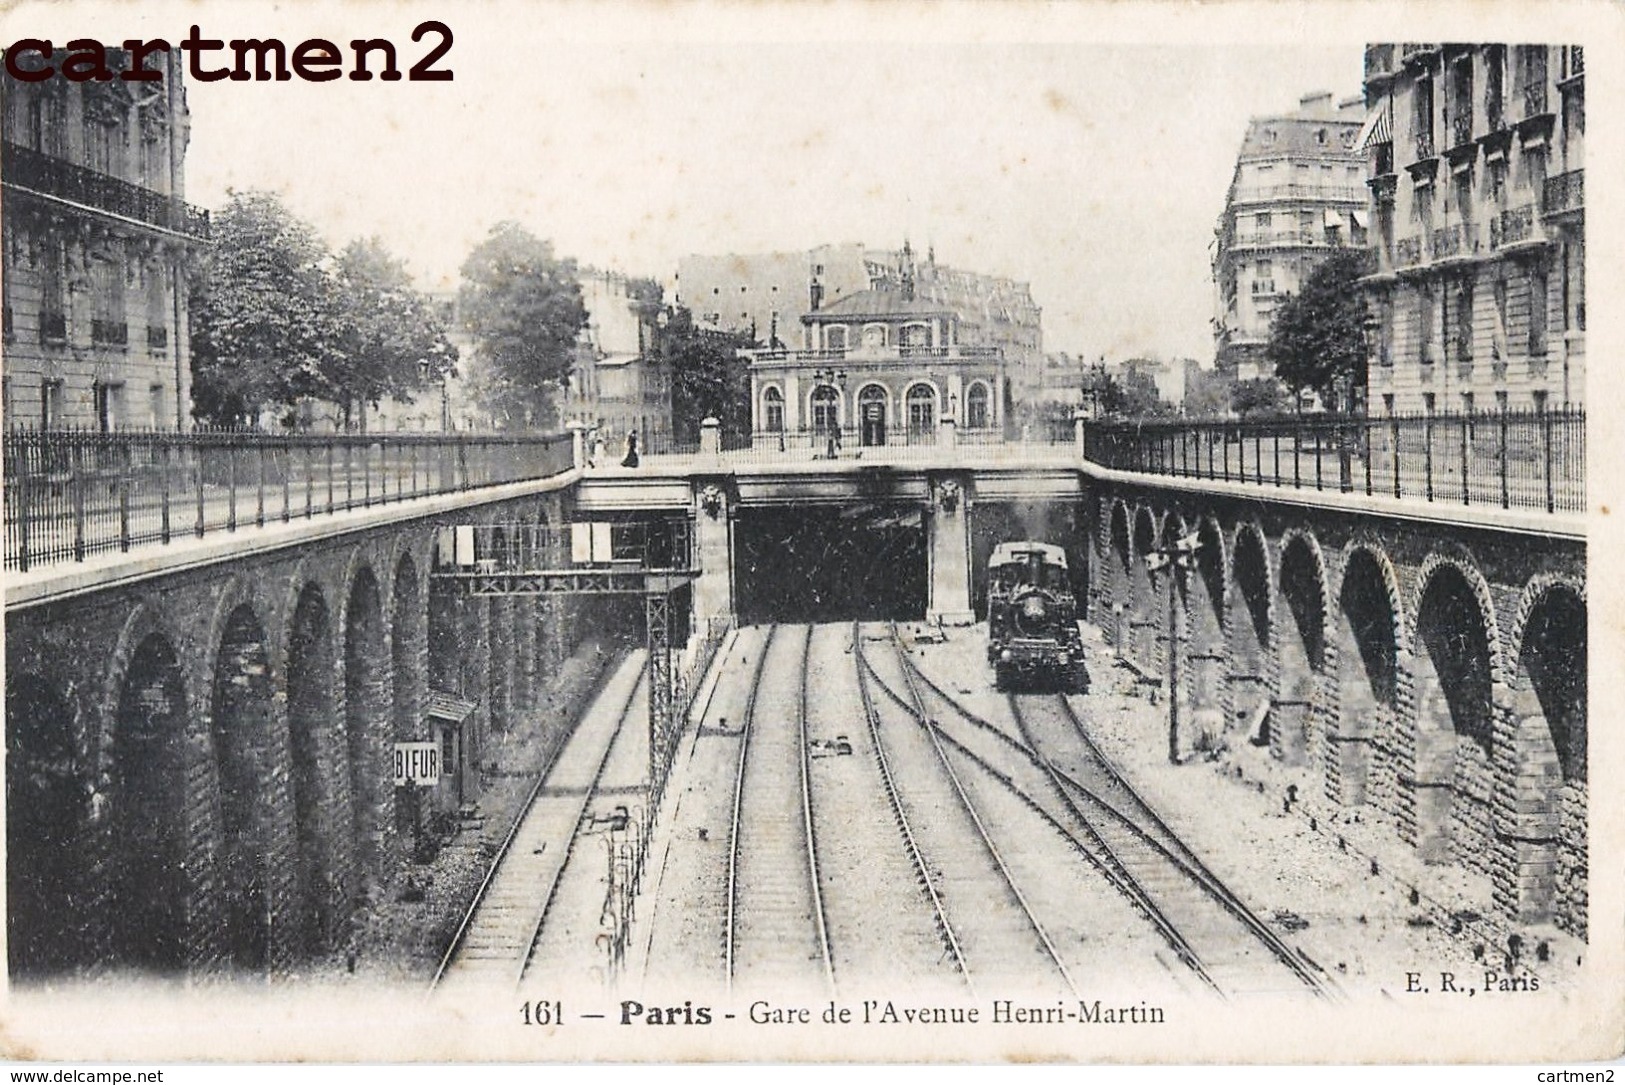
(1565, 192)
(28, 170)
(70, 494)
(1509, 460)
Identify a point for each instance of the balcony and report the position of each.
(1264, 288)
(1408, 252)
(1513, 226)
(112, 333)
(1379, 62)
(1453, 241)
(1564, 194)
(1424, 147)
(27, 170)
(1336, 193)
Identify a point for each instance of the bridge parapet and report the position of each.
(1531, 460)
(70, 494)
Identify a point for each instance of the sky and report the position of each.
(1063, 145)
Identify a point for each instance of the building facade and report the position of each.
(1477, 196)
(881, 367)
(618, 383)
(768, 296)
(1296, 194)
(97, 238)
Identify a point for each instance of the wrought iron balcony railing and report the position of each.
(1513, 225)
(1565, 192)
(25, 169)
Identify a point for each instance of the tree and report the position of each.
(391, 342)
(263, 313)
(524, 308)
(1132, 395)
(1259, 396)
(1317, 340)
(708, 378)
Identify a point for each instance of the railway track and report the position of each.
(492, 946)
(1081, 793)
(995, 933)
(776, 930)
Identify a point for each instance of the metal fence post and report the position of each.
(259, 506)
(231, 484)
(76, 481)
(163, 496)
(1501, 457)
(25, 496)
(1427, 458)
(1546, 448)
(124, 502)
(1466, 438)
(1393, 436)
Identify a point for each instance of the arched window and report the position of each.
(976, 416)
(872, 415)
(773, 410)
(826, 409)
(922, 409)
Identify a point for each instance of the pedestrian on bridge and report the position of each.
(631, 459)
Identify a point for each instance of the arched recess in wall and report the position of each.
(1118, 531)
(321, 811)
(367, 710)
(150, 884)
(1143, 607)
(242, 719)
(1249, 631)
(1367, 629)
(1550, 770)
(406, 650)
(46, 807)
(1302, 647)
(1452, 686)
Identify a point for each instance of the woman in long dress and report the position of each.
(631, 459)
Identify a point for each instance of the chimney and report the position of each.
(1315, 102)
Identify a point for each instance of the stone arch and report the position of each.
(1116, 579)
(1366, 629)
(1249, 626)
(244, 727)
(151, 888)
(1453, 674)
(1301, 653)
(47, 810)
(367, 709)
(1205, 606)
(408, 627)
(1143, 624)
(1548, 654)
(320, 771)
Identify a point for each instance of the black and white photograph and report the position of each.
(806, 532)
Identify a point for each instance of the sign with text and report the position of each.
(417, 764)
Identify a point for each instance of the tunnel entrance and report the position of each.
(858, 562)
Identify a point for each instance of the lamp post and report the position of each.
(836, 377)
(1177, 560)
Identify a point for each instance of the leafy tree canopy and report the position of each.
(524, 308)
(391, 342)
(1130, 393)
(1259, 397)
(1317, 340)
(708, 379)
(264, 316)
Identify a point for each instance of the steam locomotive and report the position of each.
(1032, 617)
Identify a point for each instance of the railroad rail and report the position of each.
(521, 860)
(775, 920)
(992, 941)
(1126, 838)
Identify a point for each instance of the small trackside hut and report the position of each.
(1032, 617)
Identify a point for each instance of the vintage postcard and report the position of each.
(809, 532)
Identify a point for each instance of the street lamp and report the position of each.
(1177, 560)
